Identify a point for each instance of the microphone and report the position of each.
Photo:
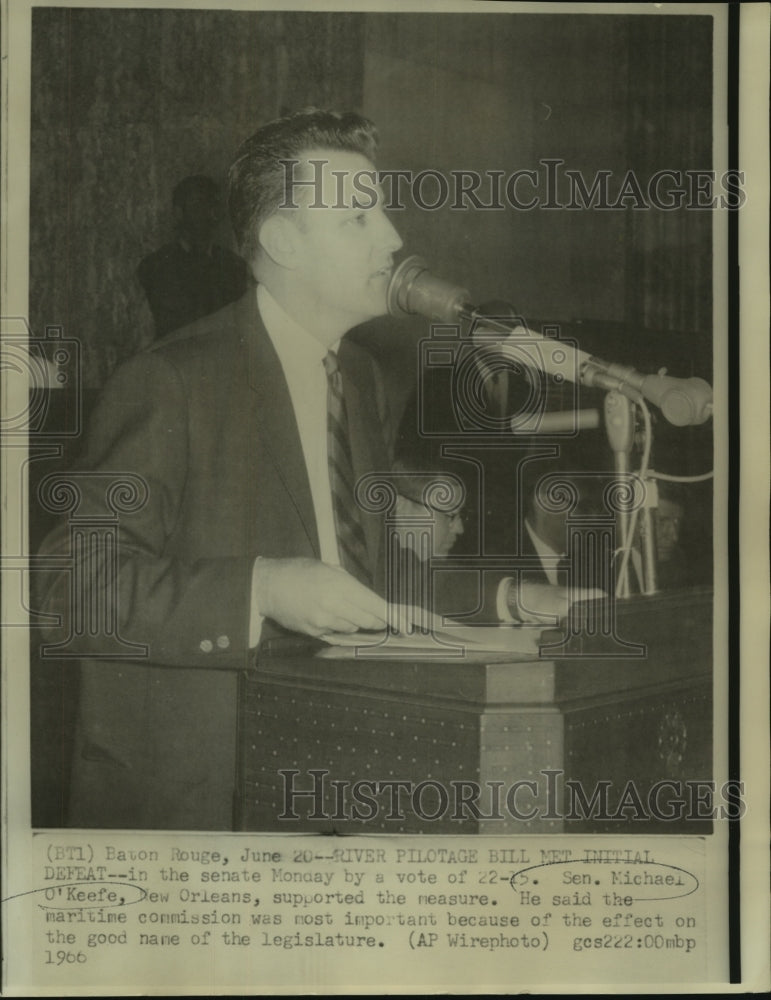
(414, 290)
(682, 401)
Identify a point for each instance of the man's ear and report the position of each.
(278, 238)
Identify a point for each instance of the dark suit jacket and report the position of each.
(593, 574)
(205, 419)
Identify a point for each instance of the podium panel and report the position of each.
(578, 740)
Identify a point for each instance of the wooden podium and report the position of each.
(538, 737)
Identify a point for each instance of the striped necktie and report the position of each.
(350, 534)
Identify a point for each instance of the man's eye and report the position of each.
(359, 219)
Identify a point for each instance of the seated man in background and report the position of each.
(193, 276)
(557, 489)
(445, 483)
(427, 491)
(414, 499)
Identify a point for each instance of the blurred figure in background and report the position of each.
(416, 490)
(193, 276)
(579, 469)
(672, 568)
(430, 486)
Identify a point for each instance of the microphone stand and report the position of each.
(620, 430)
(648, 537)
(619, 427)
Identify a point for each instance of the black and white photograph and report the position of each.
(371, 473)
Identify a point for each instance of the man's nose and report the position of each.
(388, 238)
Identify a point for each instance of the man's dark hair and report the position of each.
(197, 184)
(258, 181)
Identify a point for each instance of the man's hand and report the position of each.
(309, 596)
(542, 602)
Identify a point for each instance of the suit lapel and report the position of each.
(276, 424)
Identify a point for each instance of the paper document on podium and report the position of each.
(518, 639)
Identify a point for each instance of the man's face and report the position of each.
(669, 514)
(447, 530)
(447, 525)
(344, 243)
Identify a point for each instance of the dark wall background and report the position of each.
(126, 102)
(613, 93)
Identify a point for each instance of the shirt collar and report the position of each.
(292, 342)
(540, 546)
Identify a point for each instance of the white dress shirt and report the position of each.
(515, 614)
(302, 359)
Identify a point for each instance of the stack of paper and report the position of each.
(450, 639)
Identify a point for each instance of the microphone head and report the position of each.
(414, 290)
(689, 403)
(684, 402)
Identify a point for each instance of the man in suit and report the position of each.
(235, 535)
(561, 483)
